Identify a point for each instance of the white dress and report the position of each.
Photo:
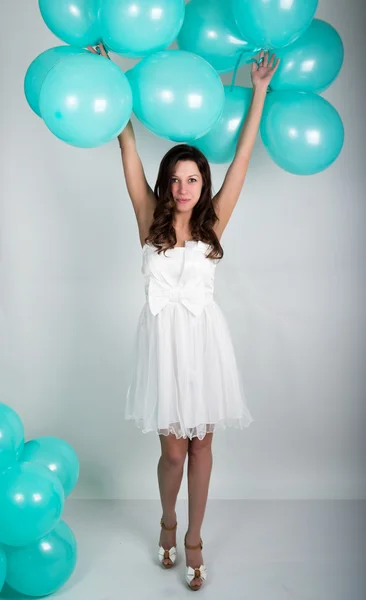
(185, 378)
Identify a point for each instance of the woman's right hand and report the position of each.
(102, 52)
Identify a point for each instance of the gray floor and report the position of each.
(262, 550)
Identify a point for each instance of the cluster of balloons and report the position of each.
(86, 100)
(303, 132)
(38, 550)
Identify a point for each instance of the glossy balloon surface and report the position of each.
(219, 144)
(176, 94)
(312, 62)
(136, 28)
(302, 132)
(273, 23)
(210, 31)
(76, 22)
(86, 100)
(43, 567)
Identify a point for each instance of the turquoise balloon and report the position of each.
(39, 69)
(11, 433)
(86, 100)
(176, 94)
(302, 132)
(210, 31)
(219, 144)
(43, 567)
(8, 459)
(273, 23)
(312, 62)
(76, 22)
(31, 503)
(58, 456)
(136, 28)
(3, 567)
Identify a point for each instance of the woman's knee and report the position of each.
(173, 450)
(198, 447)
(174, 459)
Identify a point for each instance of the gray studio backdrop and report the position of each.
(291, 284)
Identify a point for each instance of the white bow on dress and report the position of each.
(192, 294)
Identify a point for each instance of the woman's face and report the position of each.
(186, 185)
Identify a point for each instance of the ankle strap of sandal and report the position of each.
(200, 545)
(167, 528)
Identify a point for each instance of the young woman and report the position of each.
(185, 380)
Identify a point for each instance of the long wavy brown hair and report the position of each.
(162, 233)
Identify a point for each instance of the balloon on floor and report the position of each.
(38, 551)
(3, 567)
(11, 432)
(41, 507)
(58, 456)
(44, 566)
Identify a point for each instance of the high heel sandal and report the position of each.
(167, 554)
(197, 572)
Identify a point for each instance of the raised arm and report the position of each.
(227, 197)
(141, 194)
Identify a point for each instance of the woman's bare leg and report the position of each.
(170, 473)
(199, 472)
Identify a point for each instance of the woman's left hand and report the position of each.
(263, 73)
(102, 50)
